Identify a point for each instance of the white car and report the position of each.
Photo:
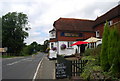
(52, 54)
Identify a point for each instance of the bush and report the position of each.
(92, 69)
(28, 50)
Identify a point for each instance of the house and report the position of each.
(69, 30)
(112, 16)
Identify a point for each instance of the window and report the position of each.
(97, 33)
(110, 23)
(69, 44)
(52, 45)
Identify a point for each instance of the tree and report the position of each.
(104, 51)
(46, 43)
(14, 27)
(114, 51)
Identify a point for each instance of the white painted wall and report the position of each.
(67, 51)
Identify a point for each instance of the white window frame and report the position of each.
(97, 33)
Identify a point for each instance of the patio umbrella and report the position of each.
(92, 39)
(79, 43)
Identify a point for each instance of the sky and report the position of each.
(42, 13)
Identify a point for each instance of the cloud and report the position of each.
(43, 13)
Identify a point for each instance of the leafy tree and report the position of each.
(104, 51)
(14, 27)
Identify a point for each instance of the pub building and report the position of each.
(67, 31)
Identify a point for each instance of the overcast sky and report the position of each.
(43, 13)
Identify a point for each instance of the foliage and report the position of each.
(114, 52)
(14, 27)
(93, 52)
(104, 50)
(92, 68)
(45, 46)
(88, 52)
(104, 63)
(31, 49)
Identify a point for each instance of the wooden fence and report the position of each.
(73, 68)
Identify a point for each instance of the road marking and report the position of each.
(18, 61)
(37, 70)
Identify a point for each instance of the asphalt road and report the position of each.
(21, 67)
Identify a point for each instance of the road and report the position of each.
(21, 67)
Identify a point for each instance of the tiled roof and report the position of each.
(70, 24)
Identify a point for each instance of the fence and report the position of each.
(72, 68)
(77, 67)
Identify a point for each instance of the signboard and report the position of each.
(60, 70)
(68, 34)
(3, 49)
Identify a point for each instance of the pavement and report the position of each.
(47, 69)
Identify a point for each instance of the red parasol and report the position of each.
(79, 43)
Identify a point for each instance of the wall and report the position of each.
(101, 26)
(67, 51)
(85, 36)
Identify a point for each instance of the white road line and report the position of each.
(17, 61)
(37, 70)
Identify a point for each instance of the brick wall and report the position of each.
(101, 26)
(63, 38)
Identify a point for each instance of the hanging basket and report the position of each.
(54, 48)
(63, 46)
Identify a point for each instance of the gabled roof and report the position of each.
(115, 12)
(71, 24)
